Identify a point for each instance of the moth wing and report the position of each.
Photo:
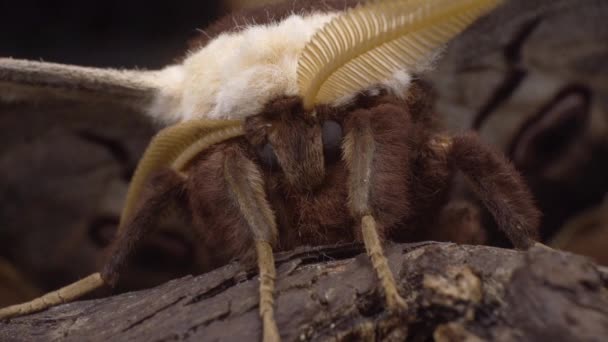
(71, 138)
(32, 81)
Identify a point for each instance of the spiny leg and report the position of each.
(247, 188)
(394, 301)
(63, 295)
(359, 149)
(499, 186)
(164, 188)
(267, 278)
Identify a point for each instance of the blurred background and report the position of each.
(532, 79)
(111, 33)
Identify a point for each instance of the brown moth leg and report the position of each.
(458, 221)
(359, 149)
(499, 186)
(247, 187)
(267, 278)
(163, 189)
(63, 295)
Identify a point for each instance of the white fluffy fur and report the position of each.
(236, 74)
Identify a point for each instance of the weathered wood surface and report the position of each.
(454, 293)
(64, 168)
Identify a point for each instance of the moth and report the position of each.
(306, 127)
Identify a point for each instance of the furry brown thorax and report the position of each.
(365, 161)
(300, 148)
(304, 160)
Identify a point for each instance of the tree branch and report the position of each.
(454, 293)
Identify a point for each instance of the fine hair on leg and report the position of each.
(163, 189)
(359, 148)
(63, 295)
(247, 189)
(499, 186)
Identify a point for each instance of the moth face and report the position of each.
(327, 58)
(291, 143)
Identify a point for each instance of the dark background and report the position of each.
(57, 161)
(65, 160)
(108, 33)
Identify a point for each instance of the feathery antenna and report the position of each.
(369, 43)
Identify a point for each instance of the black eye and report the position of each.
(332, 141)
(268, 157)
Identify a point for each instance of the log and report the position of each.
(65, 166)
(454, 293)
(493, 78)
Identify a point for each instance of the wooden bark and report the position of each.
(454, 292)
(65, 167)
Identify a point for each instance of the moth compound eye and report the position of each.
(268, 157)
(332, 141)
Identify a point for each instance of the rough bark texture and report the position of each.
(64, 168)
(454, 293)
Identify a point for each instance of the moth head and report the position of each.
(321, 58)
(325, 58)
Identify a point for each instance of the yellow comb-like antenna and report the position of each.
(368, 44)
(174, 147)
